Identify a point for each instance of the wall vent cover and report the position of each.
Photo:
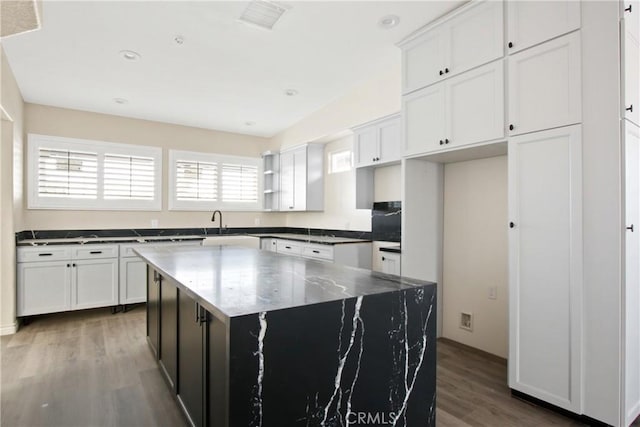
(466, 321)
(262, 14)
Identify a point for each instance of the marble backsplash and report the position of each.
(386, 221)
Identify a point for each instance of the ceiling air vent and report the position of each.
(262, 14)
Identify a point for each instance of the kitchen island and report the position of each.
(252, 338)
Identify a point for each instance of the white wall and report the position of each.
(475, 253)
(10, 190)
(102, 127)
(387, 183)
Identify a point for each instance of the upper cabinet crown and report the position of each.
(378, 143)
(470, 38)
(533, 22)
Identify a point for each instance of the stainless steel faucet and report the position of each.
(213, 219)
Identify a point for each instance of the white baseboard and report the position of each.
(9, 329)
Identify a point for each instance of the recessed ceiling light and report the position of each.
(291, 92)
(130, 55)
(120, 101)
(179, 39)
(388, 21)
(249, 123)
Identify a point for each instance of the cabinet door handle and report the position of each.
(290, 207)
(287, 247)
(512, 225)
(441, 72)
(510, 45)
(630, 108)
(383, 258)
(628, 9)
(316, 252)
(95, 252)
(446, 70)
(630, 228)
(47, 254)
(446, 141)
(68, 265)
(441, 142)
(197, 312)
(73, 265)
(511, 127)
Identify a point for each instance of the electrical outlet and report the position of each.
(466, 321)
(154, 223)
(493, 292)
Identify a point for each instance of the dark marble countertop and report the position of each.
(232, 281)
(93, 240)
(324, 240)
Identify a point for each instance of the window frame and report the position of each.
(330, 155)
(218, 159)
(101, 148)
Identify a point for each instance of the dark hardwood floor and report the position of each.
(92, 368)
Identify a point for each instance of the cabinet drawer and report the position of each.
(288, 247)
(46, 253)
(95, 251)
(318, 251)
(126, 250)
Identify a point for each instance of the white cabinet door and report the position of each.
(43, 287)
(366, 146)
(390, 263)
(475, 105)
(545, 86)
(286, 181)
(475, 37)
(133, 281)
(423, 59)
(424, 120)
(533, 22)
(631, 69)
(632, 273)
(389, 141)
(300, 179)
(94, 283)
(545, 266)
(632, 17)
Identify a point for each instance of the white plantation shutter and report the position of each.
(196, 180)
(207, 181)
(66, 173)
(239, 183)
(129, 177)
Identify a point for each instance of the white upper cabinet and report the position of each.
(465, 109)
(424, 117)
(471, 38)
(302, 178)
(475, 37)
(545, 86)
(378, 143)
(533, 22)
(631, 61)
(475, 105)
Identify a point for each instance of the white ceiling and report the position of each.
(224, 74)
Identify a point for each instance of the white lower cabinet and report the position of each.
(43, 287)
(133, 277)
(390, 263)
(545, 266)
(352, 254)
(77, 277)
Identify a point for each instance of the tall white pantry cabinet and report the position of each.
(554, 85)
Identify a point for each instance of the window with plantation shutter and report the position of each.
(67, 173)
(206, 181)
(196, 180)
(129, 177)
